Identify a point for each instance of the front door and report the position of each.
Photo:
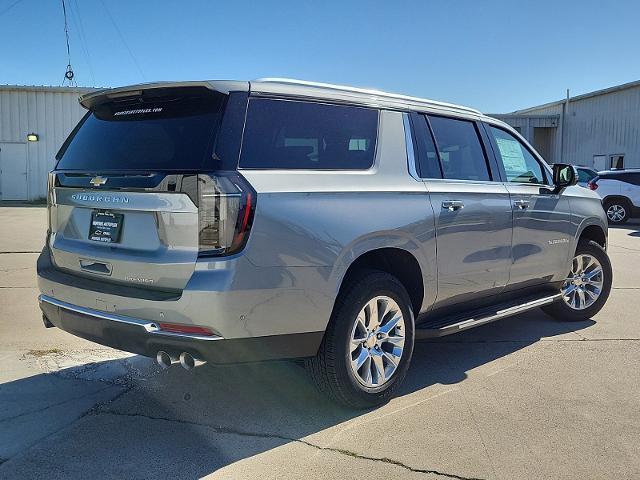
(13, 171)
(541, 217)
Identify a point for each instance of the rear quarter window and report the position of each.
(284, 134)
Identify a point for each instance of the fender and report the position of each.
(424, 253)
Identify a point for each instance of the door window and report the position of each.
(519, 164)
(461, 153)
(427, 161)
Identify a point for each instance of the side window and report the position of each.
(519, 164)
(585, 175)
(305, 135)
(459, 148)
(427, 162)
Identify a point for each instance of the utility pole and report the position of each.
(563, 125)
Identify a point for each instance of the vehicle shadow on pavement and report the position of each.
(190, 424)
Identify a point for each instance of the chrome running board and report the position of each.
(439, 327)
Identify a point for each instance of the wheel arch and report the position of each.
(594, 232)
(620, 198)
(396, 261)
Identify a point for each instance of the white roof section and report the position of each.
(327, 90)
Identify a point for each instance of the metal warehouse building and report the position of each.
(600, 129)
(34, 122)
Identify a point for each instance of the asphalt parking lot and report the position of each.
(524, 398)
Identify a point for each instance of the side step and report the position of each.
(439, 327)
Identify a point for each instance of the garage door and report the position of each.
(13, 171)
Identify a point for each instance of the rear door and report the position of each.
(630, 187)
(541, 217)
(125, 188)
(472, 210)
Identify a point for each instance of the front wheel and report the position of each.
(368, 344)
(587, 287)
(618, 211)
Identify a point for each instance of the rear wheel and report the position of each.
(368, 344)
(587, 287)
(618, 211)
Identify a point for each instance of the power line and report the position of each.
(115, 26)
(68, 75)
(75, 14)
(5, 10)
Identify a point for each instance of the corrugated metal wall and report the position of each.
(604, 124)
(49, 112)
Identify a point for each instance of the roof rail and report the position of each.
(364, 91)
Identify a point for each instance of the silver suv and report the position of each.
(229, 222)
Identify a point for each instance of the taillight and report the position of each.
(51, 183)
(226, 204)
(592, 185)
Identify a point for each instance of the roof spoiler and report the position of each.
(97, 97)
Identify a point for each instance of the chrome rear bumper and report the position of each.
(145, 337)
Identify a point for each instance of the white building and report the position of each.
(34, 122)
(600, 129)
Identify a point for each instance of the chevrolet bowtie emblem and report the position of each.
(97, 181)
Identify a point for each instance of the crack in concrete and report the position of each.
(12, 253)
(6, 270)
(244, 433)
(545, 340)
(625, 248)
(53, 405)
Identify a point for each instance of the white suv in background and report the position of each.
(620, 193)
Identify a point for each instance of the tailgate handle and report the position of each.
(93, 266)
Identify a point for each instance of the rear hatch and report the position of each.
(146, 184)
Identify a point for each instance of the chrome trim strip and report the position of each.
(150, 327)
(173, 202)
(507, 312)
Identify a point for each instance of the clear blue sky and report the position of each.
(494, 55)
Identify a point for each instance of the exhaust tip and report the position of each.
(188, 362)
(164, 359)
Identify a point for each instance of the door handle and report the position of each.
(95, 267)
(521, 204)
(452, 205)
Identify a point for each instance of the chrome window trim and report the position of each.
(411, 155)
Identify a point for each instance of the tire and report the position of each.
(561, 310)
(618, 210)
(331, 369)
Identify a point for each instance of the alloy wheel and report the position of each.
(377, 342)
(584, 284)
(616, 212)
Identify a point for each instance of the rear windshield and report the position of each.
(305, 135)
(175, 133)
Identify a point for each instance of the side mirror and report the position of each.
(564, 175)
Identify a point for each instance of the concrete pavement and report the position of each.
(526, 397)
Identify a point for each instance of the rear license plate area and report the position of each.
(106, 226)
